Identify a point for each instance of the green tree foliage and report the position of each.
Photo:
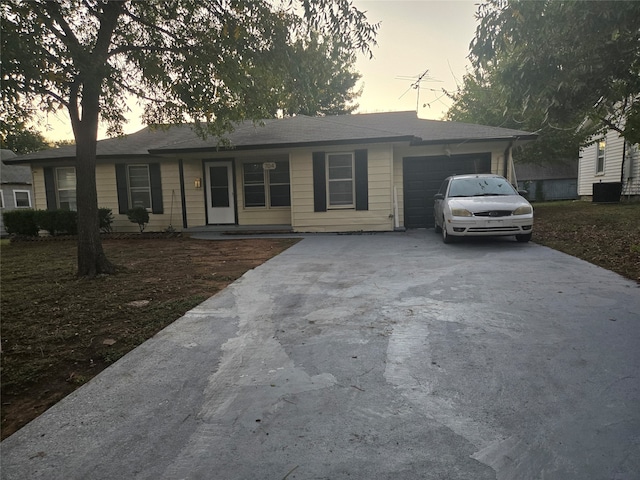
(565, 59)
(20, 139)
(211, 62)
(320, 79)
(481, 101)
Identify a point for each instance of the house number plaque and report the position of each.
(269, 165)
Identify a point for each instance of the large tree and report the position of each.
(210, 62)
(559, 66)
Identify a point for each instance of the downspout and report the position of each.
(624, 158)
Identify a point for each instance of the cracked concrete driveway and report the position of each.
(369, 357)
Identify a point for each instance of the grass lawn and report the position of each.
(59, 331)
(607, 235)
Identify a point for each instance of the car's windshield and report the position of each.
(480, 186)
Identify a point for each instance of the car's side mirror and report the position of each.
(524, 193)
(438, 196)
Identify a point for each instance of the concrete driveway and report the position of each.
(387, 356)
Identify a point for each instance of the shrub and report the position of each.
(47, 220)
(140, 216)
(57, 221)
(20, 222)
(67, 222)
(106, 219)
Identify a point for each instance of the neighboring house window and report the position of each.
(66, 188)
(266, 187)
(22, 198)
(340, 180)
(139, 185)
(600, 159)
(1, 199)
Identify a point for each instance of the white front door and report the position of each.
(220, 198)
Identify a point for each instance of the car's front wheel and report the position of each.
(446, 238)
(523, 238)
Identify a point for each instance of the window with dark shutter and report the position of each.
(139, 186)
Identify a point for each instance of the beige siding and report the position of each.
(194, 197)
(39, 200)
(377, 218)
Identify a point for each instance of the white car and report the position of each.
(481, 205)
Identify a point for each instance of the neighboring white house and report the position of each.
(602, 163)
(15, 186)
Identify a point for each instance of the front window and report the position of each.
(600, 162)
(22, 198)
(66, 188)
(139, 186)
(266, 184)
(340, 179)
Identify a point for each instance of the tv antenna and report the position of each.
(416, 80)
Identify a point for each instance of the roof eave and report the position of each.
(527, 138)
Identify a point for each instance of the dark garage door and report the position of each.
(423, 177)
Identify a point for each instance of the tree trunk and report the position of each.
(91, 258)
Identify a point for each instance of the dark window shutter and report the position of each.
(319, 183)
(156, 188)
(121, 185)
(362, 180)
(50, 188)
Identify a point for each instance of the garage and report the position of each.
(423, 177)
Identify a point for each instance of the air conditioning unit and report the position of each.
(607, 192)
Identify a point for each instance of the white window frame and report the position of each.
(1, 199)
(266, 184)
(263, 185)
(351, 205)
(600, 156)
(15, 198)
(58, 189)
(146, 189)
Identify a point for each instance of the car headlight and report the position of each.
(523, 210)
(460, 212)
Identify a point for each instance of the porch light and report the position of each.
(197, 183)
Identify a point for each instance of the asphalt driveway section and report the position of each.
(369, 357)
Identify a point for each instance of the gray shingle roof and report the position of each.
(13, 174)
(293, 131)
